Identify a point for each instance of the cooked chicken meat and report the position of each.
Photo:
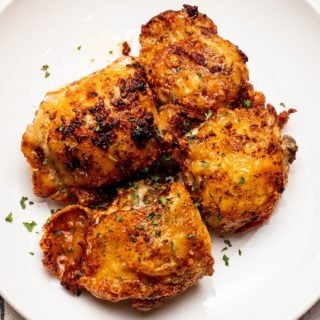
(149, 245)
(236, 166)
(93, 132)
(188, 64)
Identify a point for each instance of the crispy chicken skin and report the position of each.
(188, 64)
(149, 245)
(236, 166)
(92, 132)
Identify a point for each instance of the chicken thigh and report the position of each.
(93, 132)
(149, 245)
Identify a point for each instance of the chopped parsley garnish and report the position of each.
(228, 243)
(60, 129)
(224, 249)
(31, 203)
(52, 211)
(57, 232)
(194, 187)
(44, 67)
(79, 48)
(191, 137)
(98, 234)
(132, 119)
(226, 260)
(47, 74)
(282, 105)
(247, 103)
(159, 133)
(30, 225)
(151, 215)
(110, 52)
(177, 69)
(208, 115)
(241, 181)
(173, 245)
(45, 161)
(155, 178)
(23, 202)
(191, 235)
(204, 164)
(118, 217)
(163, 200)
(197, 204)
(97, 128)
(31, 253)
(168, 158)
(219, 216)
(239, 252)
(136, 198)
(9, 217)
(157, 233)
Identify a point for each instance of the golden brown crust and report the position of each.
(149, 245)
(188, 64)
(236, 165)
(93, 132)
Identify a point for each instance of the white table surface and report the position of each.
(8, 313)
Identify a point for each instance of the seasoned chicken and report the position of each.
(93, 132)
(188, 64)
(149, 245)
(236, 166)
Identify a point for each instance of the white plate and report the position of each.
(278, 274)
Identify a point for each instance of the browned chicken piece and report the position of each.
(236, 166)
(188, 64)
(93, 132)
(149, 245)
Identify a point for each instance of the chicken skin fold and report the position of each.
(149, 245)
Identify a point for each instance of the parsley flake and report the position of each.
(247, 103)
(239, 252)
(44, 67)
(23, 202)
(228, 243)
(79, 48)
(226, 259)
(282, 105)
(151, 215)
(155, 178)
(118, 217)
(204, 164)
(208, 115)
(57, 232)
(191, 235)
(163, 200)
(241, 181)
(31, 253)
(110, 51)
(173, 245)
(177, 69)
(30, 225)
(9, 217)
(132, 119)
